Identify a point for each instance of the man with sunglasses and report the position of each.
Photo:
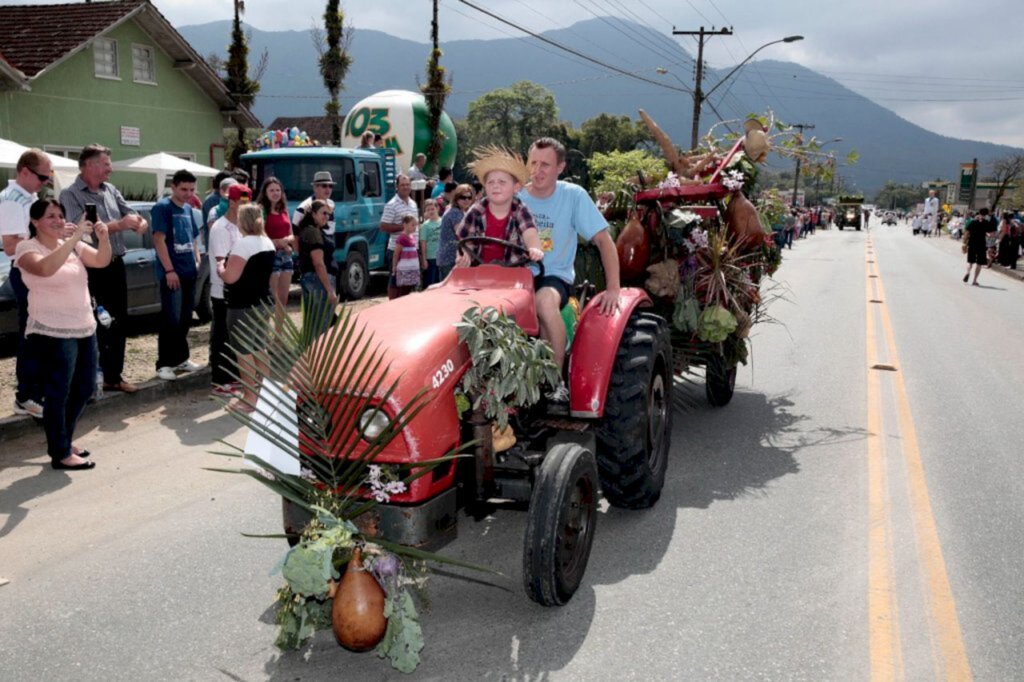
(32, 173)
(323, 187)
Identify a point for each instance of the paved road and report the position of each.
(833, 522)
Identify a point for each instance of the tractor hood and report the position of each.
(422, 352)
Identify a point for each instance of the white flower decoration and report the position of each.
(733, 180)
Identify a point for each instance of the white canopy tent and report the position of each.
(164, 165)
(64, 170)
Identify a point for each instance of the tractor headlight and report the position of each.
(373, 422)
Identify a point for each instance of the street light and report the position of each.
(699, 97)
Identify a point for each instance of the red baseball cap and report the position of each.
(236, 192)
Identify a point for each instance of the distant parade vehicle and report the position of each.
(848, 211)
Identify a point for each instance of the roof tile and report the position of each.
(32, 37)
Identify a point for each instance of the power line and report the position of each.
(600, 63)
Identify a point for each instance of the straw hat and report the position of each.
(492, 158)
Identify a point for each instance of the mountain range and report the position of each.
(890, 147)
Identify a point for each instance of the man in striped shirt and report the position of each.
(32, 173)
(108, 285)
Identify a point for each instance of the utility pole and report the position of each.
(698, 94)
(796, 178)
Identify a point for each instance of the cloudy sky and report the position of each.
(947, 65)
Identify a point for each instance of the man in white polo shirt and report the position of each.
(33, 171)
(399, 206)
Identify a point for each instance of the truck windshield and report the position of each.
(297, 176)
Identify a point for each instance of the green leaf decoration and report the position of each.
(507, 368)
(304, 570)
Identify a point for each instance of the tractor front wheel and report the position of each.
(633, 437)
(560, 524)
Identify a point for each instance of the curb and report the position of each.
(149, 392)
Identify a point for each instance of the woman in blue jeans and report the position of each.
(61, 324)
(315, 257)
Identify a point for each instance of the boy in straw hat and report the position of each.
(500, 213)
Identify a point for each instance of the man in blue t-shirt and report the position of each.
(562, 211)
(177, 267)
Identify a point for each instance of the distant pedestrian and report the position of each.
(247, 278)
(976, 234)
(930, 220)
(416, 169)
(430, 234)
(224, 234)
(788, 228)
(444, 176)
(279, 229)
(216, 205)
(176, 242)
(315, 266)
(323, 187)
(109, 284)
(366, 141)
(395, 210)
(32, 172)
(462, 199)
(211, 200)
(1008, 242)
(61, 324)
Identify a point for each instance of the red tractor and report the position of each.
(613, 438)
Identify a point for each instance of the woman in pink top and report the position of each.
(61, 325)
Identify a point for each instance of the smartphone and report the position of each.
(90, 212)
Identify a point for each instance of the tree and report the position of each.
(513, 117)
(613, 171)
(435, 91)
(609, 133)
(334, 61)
(243, 89)
(1006, 171)
(900, 195)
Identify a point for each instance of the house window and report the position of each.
(104, 54)
(143, 64)
(59, 150)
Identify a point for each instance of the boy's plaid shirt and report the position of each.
(474, 224)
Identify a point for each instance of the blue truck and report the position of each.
(364, 180)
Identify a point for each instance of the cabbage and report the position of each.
(715, 324)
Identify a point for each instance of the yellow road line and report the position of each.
(884, 638)
(945, 626)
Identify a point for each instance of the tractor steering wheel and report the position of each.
(474, 255)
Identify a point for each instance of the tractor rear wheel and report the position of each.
(560, 524)
(719, 381)
(633, 437)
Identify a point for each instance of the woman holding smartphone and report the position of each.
(61, 324)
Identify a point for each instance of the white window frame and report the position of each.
(117, 59)
(184, 156)
(60, 150)
(152, 57)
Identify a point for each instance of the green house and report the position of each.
(116, 73)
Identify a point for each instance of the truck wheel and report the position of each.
(560, 524)
(354, 277)
(633, 437)
(719, 381)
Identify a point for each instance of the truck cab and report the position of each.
(848, 211)
(364, 181)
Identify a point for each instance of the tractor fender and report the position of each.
(593, 352)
